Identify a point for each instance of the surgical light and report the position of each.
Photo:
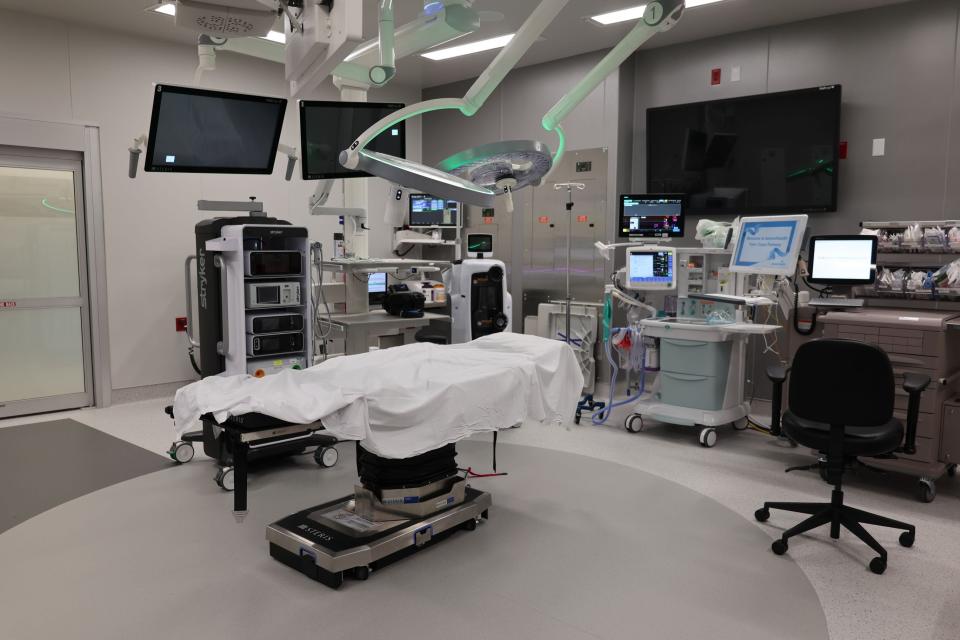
(471, 47)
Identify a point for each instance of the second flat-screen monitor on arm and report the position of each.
(327, 128)
(201, 131)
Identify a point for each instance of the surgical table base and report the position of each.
(329, 541)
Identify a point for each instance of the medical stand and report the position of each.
(587, 403)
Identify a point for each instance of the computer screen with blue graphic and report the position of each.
(769, 245)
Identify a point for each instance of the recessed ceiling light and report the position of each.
(620, 15)
(471, 47)
(276, 36)
(635, 13)
(167, 9)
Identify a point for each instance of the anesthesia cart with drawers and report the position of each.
(918, 341)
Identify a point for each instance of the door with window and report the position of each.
(45, 361)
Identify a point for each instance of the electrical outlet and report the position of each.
(181, 325)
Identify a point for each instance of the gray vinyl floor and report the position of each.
(46, 464)
(595, 533)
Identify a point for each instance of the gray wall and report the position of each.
(898, 66)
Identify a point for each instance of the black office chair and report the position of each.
(841, 404)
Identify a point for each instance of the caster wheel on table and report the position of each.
(708, 437)
(361, 573)
(634, 423)
(907, 538)
(952, 471)
(181, 452)
(779, 547)
(741, 424)
(762, 515)
(326, 457)
(224, 478)
(926, 490)
(878, 565)
(470, 525)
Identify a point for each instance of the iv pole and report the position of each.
(569, 186)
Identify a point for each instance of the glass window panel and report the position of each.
(38, 234)
(41, 351)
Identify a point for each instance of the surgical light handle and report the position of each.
(478, 93)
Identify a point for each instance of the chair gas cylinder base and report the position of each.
(841, 404)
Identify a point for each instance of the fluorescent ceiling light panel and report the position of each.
(621, 15)
(468, 48)
(635, 13)
(167, 9)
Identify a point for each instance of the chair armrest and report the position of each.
(778, 375)
(913, 384)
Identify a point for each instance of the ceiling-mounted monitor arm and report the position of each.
(481, 90)
(660, 15)
(440, 22)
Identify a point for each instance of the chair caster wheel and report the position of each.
(361, 573)
(762, 515)
(907, 538)
(708, 437)
(926, 490)
(878, 565)
(779, 547)
(634, 423)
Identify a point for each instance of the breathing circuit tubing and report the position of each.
(603, 415)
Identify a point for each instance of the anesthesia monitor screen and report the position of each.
(199, 131)
(646, 268)
(651, 216)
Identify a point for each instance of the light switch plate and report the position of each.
(735, 74)
(879, 147)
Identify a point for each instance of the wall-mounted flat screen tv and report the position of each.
(764, 154)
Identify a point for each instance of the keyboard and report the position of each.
(837, 303)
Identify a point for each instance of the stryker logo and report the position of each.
(316, 533)
(202, 278)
